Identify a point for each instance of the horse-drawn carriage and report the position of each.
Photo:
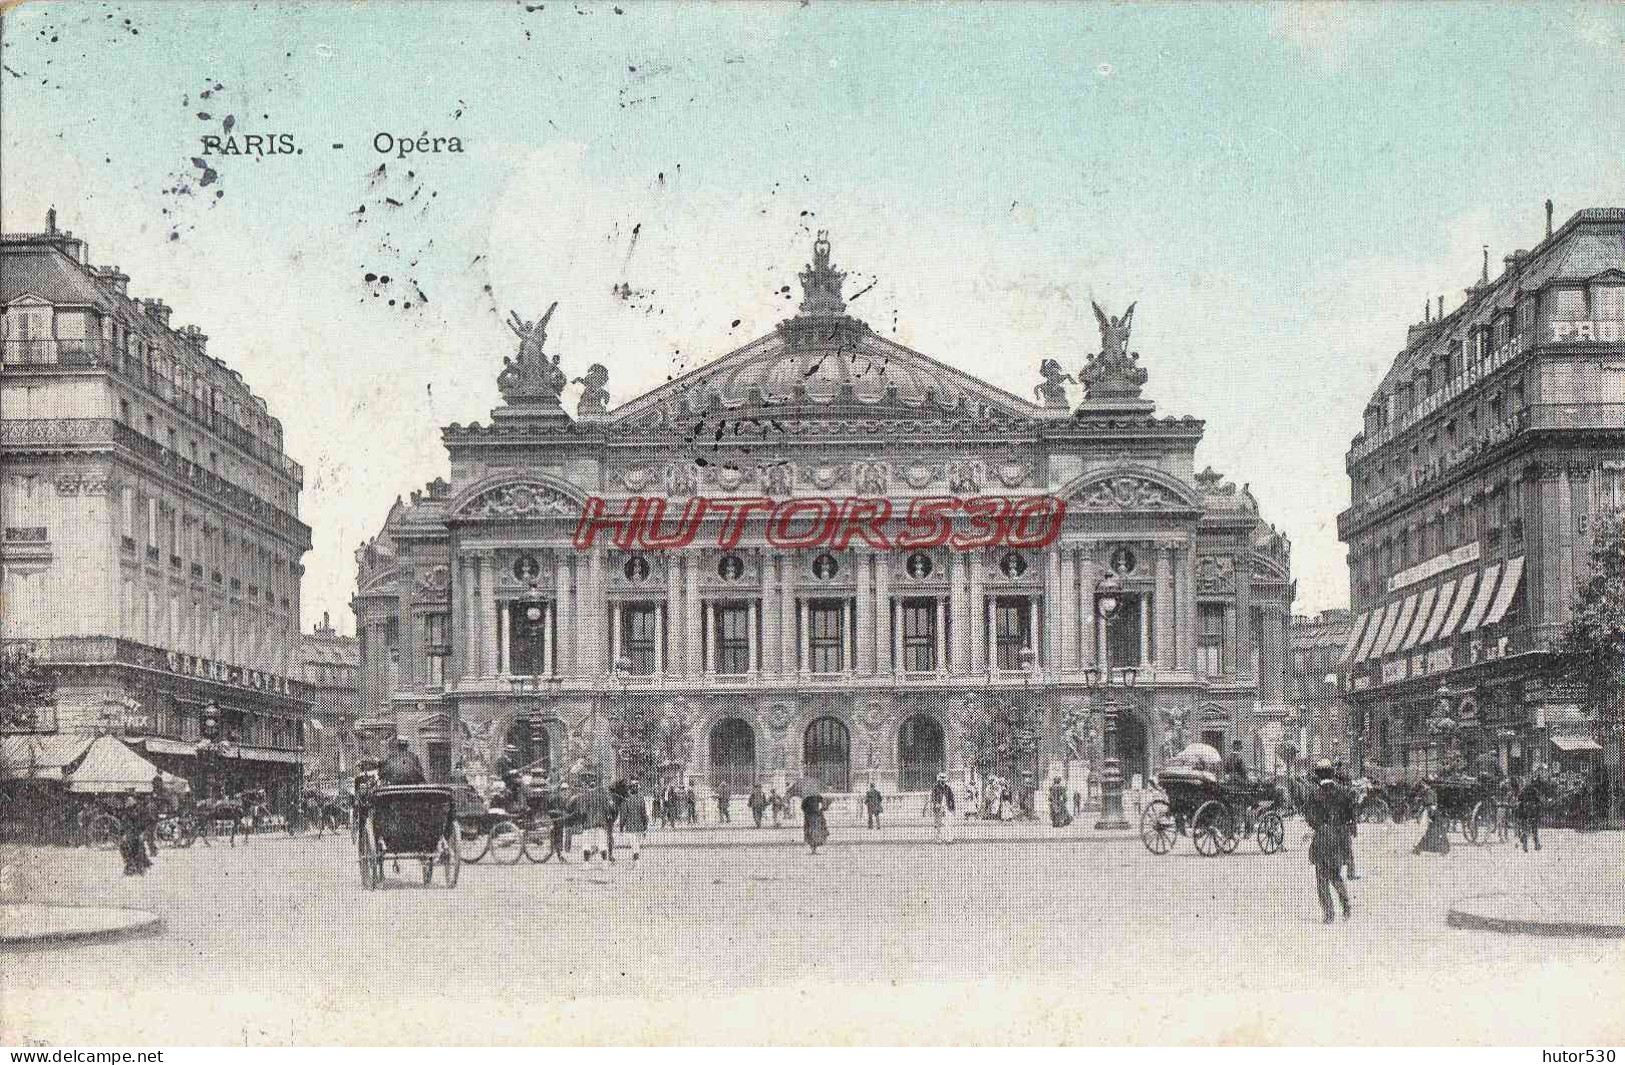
(1399, 801)
(1216, 815)
(1472, 804)
(411, 821)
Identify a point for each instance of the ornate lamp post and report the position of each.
(1111, 772)
(1029, 801)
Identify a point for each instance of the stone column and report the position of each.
(750, 637)
(660, 639)
(488, 608)
(772, 615)
(549, 612)
(565, 617)
(693, 622)
(1068, 608)
(614, 633)
(1034, 632)
(864, 624)
(1184, 608)
(803, 641)
(1088, 640)
(1231, 650)
(674, 616)
(1163, 608)
(502, 638)
(940, 605)
(787, 612)
(591, 609)
(886, 634)
(471, 621)
(1244, 616)
(707, 627)
(977, 614)
(958, 615)
(1145, 632)
(1049, 651)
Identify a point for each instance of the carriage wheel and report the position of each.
(450, 858)
(1375, 810)
(1157, 828)
(1271, 833)
(1480, 824)
(471, 842)
(507, 843)
(104, 831)
(538, 843)
(371, 869)
(1213, 829)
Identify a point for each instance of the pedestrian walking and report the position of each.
(557, 805)
(691, 804)
(633, 820)
(776, 801)
(596, 812)
(1329, 812)
(133, 821)
(724, 802)
(872, 803)
(792, 800)
(1340, 773)
(815, 827)
(1436, 840)
(757, 802)
(942, 805)
(1058, 815)
(654, 801)
(1529, 810)
(671, 810)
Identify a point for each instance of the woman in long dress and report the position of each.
(1436, 840)
(815, 829)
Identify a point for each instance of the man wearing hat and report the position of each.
(402, 766)
(942, 804)
(1235, 767)
(1329, 813)
(1058, 815)
(596, 810)
(872, 805)
(634, 819)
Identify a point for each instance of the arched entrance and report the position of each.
(827, 754)
(733, 754)
(921, 753)
(532, 747)
(1133, 748)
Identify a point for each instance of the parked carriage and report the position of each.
(1215, 815)
(1471, 804)
(412, 822)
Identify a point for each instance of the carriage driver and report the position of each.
(402, 766)
(1235, 768)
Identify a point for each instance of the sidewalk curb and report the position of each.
(906, 841)
(134, 923)
(1461, 915)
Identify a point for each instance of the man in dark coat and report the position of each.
(1329, 812)
(595, 808)
(757, 803)
(815, 827)
(1058, 815)
(402, 766)
(557, 805)
(872, 804)
(1529, 805)
(1235, 766)
(724, 801)
(691, 804)
(633, 819)
(1340, 773)
(133, 820)
(942, 805)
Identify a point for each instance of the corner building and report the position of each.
(152, 544)
(1490, 448)
(481, 625)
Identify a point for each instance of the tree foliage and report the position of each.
(1592, 651)
(1000, 737)
(26, 689)
(647, 736)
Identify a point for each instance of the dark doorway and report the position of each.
(921, 753)
(1133, 746)
(1123, 633)
(733, 754)
(827, 754)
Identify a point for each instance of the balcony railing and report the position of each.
(72, 431)
(74, 354)
(1365, 444)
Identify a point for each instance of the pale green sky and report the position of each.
(1280, 187)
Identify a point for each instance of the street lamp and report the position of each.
(1111, 773)
(1029, 661)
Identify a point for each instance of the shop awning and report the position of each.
(1507, 591)
(1371, 632)
(1464, 595)
(1424, 607)
(1354, 637)
(159, 745)
(266, 754)
(1407, 611)
(1481, 602)
(1440, 609)
(39, 757)
(111, 766)
(1575, 743)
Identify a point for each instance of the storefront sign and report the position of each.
(1441, 659)
(1604, 331)
(1435, 565)
(1394, 671)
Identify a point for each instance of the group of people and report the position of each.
(997, 798)
(1524, 801)
(679, 801)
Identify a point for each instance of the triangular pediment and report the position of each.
(819, 367)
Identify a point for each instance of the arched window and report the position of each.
(827, 754)
(921, 753)
(733, 754)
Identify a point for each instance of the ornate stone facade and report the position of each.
(483, 622)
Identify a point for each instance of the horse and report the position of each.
(247, 806)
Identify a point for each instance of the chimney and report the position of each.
(50, 220)
(1548, 219)
(119, 280)
(157, 310)
(1427, 311)
(197, 338)
(1484, 278)
(1441, 308)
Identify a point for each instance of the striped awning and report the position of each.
(1464, 595)
(1372, 632)
(1507, 592)
(1424, 608)
(1481, 602)
(1407, 611)
(1354, 637)
(1447, 592)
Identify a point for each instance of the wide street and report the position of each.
(1087, 938)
